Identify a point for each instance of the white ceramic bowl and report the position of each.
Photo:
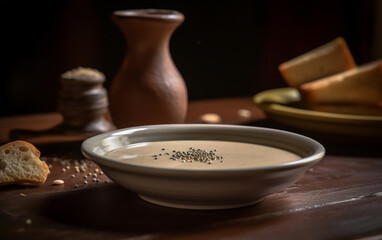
(206, 188)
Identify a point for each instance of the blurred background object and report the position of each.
(148, 88)
(223, 49)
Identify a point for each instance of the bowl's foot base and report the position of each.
(197, 205)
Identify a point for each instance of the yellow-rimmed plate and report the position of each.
(278, 105)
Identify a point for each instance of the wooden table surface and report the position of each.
(338, 198)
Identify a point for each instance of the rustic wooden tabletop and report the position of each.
(338, 198)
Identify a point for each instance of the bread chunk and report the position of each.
(20, 163)
(328, 59)
(362, 85)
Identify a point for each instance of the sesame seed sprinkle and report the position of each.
(191, 155)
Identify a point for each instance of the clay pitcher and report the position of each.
(148, 88)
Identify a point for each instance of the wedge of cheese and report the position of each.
(331, 58)
(362, 85)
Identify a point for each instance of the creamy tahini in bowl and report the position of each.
(201, 154)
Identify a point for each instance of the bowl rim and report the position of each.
(87, 145)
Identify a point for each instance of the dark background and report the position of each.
(223, 49)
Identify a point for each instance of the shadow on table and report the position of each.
(115, 209)
(69, 149)
(334, 144)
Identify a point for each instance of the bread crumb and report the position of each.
(244, 113)
(23, 195)
(58, 182)
(210, 118)
(28, 221)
